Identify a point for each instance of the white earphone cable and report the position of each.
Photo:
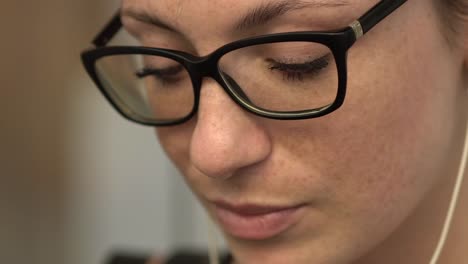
(453, 202)
(213, 253)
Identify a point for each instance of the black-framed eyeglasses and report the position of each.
(293, 75)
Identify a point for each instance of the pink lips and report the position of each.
(255, 222)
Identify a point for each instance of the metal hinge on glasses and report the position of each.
(357, 28)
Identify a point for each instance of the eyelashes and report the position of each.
(295, 71)
(161, 73)
(291, 69)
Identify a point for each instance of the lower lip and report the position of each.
(257, 227)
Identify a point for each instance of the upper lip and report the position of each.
(249, 209)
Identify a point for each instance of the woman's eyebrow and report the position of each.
(146, 17)
(254, 17)
(271, 10)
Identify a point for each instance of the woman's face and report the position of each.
(327, 189)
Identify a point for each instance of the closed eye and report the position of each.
(161, 73)
(292, 70)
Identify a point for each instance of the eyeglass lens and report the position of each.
(282, 77)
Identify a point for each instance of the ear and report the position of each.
(464, 50)
(456, 17)
(463, 41)
(463, 35)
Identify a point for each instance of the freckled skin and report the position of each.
(376, 174)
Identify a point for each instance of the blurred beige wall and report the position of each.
(76, 180)
(39, 46)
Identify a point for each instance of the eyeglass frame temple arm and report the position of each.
(376, 14)
(109, 31)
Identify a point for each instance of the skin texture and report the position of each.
(375, 176)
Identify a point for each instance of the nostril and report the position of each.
(214, 157)
(213, 169)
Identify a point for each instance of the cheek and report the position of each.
(175, 141)
(387, 146)
(392, 136)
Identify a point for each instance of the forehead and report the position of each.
(181, 4)
(180, 12)
(209, 23)
(183, 13)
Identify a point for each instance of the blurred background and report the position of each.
(77, 182)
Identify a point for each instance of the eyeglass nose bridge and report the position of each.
(207, 66)
(201, 67)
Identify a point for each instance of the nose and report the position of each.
(226, 138)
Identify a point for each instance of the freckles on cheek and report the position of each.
(391, 141)
(369, 184)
